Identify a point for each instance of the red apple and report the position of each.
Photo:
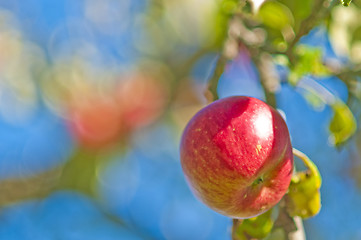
(237, 156)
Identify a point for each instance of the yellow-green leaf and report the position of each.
(309, 61)
(343, 124)
(257, 227)
(275, 15)
(346, 2)
(303, 198)
(300, 8)
(226, 8)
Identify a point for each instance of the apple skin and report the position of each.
(237, 156)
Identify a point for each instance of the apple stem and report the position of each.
(258, 181)
(306, 161)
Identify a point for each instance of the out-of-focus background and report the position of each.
(94, 95)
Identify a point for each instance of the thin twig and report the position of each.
(318, 13)
(268, 76)
(211, 93)
(292, 226)
(307, 24)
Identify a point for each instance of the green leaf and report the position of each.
(300, 9)
(275, 15)
(343, 124)
(226, 9)
(346, 2)
(257, 227)
(309, 61)
(277, 234)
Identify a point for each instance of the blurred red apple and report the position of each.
(237, 156)
(96, 123)
(99, 119)
(142, 99)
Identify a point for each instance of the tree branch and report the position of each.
(292, 226)
(268, 76)
(20, 189)
(235, 225)
(320, 10)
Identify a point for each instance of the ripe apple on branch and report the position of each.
(237, 157)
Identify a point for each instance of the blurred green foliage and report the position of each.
(309, 62)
